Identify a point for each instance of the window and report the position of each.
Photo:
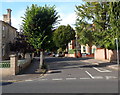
(3, 28)
(84, 49)
(93, 50)
(7, 32)
(3, 33)
(3, 50)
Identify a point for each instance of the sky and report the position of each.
(65, 8)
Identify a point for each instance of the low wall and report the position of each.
(15, 68)
(70, 55)
(105, 54)
(5, 71)
(99, 54)
(23, 66)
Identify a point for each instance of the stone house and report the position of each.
(7, 35)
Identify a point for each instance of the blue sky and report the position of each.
(66, 10)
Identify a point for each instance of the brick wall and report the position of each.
(105, 54)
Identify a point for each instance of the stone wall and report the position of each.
(7, 35)
(14, 67)
(0, 40)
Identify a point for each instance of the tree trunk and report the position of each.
(90, 49)
(105, 53)
(41, 59)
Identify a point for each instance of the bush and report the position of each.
(72, 51)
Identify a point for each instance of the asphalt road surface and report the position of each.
(69, 75)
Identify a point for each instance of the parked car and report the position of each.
(59, 55)
(49, 53)
(53, 54)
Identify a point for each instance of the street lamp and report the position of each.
(76, 44)
(117, 51)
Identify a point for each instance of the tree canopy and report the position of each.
(63, 35)
(38, 24)
(105, 18)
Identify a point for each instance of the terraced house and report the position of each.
(7, 35)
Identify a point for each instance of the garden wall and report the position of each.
(105, 54)
(14, 66)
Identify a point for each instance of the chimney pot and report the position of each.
(7, 17)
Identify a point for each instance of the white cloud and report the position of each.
(41, 0)
(0, 17)
(68, 19)
(17, 20)
(65, 19)
(59, 1)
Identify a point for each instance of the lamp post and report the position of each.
(76, 44)
(117, 51)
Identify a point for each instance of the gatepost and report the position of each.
(13, 64)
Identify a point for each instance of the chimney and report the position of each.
(7, 17)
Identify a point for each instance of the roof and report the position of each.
(8, 24)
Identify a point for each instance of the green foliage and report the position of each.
(71, 51)
(105, 17)
(4, 64)
(20, 45)
(59, 50)
(84, 32)
(38, 23)
(63, 35)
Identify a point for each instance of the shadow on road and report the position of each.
(54, 59)
(5, 83)
(69, 63)
(55, 72)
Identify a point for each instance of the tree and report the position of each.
(20, 45)
(52, 45)
(107, 24)
(115, 23)
(83, 28)
(105, 18)
(38, 23)
(85, 34)
(63, 35)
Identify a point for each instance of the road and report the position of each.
(69, 75)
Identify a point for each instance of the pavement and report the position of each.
(115, 67)
(112, 65)
(105, 63)
(69, 75)
(32, 72)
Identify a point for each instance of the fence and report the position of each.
(4, 64)
(14, 66)
(21, 62)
